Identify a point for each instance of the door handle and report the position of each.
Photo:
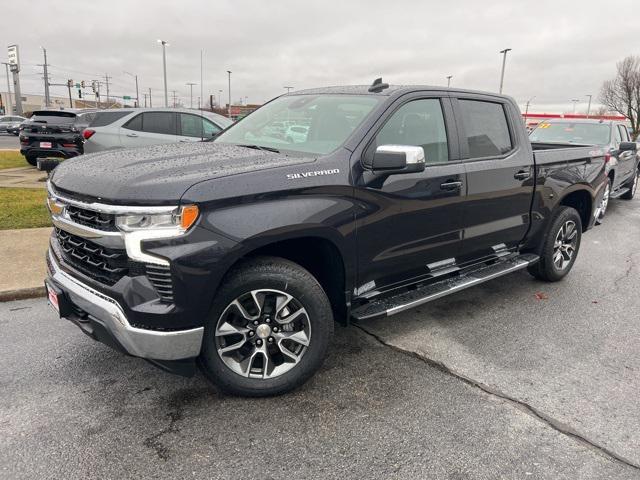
(131, 135)
(522, 175)
(451, 185)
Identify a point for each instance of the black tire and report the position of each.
(268, 273)
(31, 160)
(546, 269)
(633, 186)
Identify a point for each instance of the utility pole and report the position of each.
(69, 85)
(589, 106)
(288, 89)
(47, 98)
(504, 62)
(229, 106)
(106, 81)
(164, 70)
(10, 111)
(191, 84)
(150, 100)
(219, 98)
(137, 92)
(575, 102)
(449, 77)
(145, 100)
(174, 98)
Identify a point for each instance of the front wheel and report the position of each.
(604, 203)
(561, 246)
(269, 329)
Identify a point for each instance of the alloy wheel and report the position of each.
(604, 203)
(564, 246)
(263, 334)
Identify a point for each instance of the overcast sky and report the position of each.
(562, 49)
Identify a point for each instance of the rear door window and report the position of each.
(486, 127)
(102, 119)
(134, 124)
(159, 122)
(624, 133)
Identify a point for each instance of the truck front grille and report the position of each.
(89, 218)
(100, 263)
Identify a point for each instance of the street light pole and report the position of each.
(526, 110)
(504, 62)
(164, 70)
(191, 84)
(589, 106)
(229, 106)
(449, 77)
(219, 98)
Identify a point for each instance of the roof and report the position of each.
(393, 89)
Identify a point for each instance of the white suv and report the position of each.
(129, 128)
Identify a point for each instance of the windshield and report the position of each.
(565, 132)
(324, 122)
(53, 117)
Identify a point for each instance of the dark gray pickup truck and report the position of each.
(239, 254)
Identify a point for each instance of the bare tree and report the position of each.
(622, 94)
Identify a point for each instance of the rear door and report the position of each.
(150, 128)
(500, 177)
(412, 223)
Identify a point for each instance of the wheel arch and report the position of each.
(582, 200)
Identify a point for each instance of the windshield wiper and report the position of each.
(260, 147)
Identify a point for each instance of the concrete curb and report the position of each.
(22, 294)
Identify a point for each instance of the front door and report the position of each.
(500, 176)
(411, 223)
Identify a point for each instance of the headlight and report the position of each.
(178, 221)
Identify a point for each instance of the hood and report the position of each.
(159, 174)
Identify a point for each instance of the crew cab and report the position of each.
(611, 136)
(239, 254)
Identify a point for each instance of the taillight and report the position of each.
(69, 145)
(87, 133)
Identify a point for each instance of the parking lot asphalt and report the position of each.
(9, 142)
(513, 379)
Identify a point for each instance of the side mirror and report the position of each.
(396, 159)
(627, 146)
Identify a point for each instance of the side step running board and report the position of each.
(388, 306)
(618, 193)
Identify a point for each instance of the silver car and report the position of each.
(129, 128)
(9, 122)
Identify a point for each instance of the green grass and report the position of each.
(12, 160)
(23, 208)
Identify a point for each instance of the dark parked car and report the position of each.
(54, 133)
(612, 137)
(8, 123)
(241, 252)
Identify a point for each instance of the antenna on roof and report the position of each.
(377, 86)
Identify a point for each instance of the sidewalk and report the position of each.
(22, 254)
(23, 177)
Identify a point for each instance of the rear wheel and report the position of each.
(633, 186)
(32, 160)
(561, 246)
(269, 329)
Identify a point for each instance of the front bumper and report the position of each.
(106, 322)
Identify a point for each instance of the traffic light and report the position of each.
(69, 83)
(82, 84)
(93, 86)
(79, 93)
